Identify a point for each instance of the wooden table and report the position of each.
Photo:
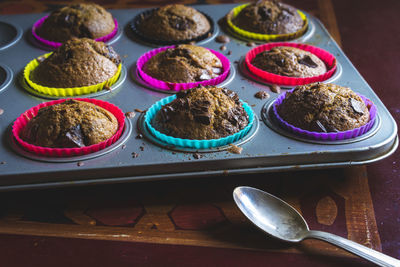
(194, 221)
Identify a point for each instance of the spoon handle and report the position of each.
(355, 248)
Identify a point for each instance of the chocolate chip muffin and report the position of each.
(77, 20)
(70, 124)
(289, 61)
(78, 62)
(184, 64)
(202, 113)
(322, 107)
(269, 17)
(174, 23)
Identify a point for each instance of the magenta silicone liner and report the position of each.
(179, 86)
(25, 117)
(272, 78)
(332, 135)
(39, 23)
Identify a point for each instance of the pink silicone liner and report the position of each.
(325, 56)
(39, 23)
(331, 135)
(179, 86)
(25, 117)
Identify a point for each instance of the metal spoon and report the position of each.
(280, 220)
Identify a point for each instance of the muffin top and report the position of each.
(70, 124)
(289, 61)
(322, 107)
(174, 23)
(184, 64)
(78, 62)
(202, 113)
(77, 20)
(269, 17)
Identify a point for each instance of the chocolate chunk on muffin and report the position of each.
(289, 61)
(269, 17)
(322, 107)
(184, 64)
(202, 113)
(70, 124)
(77, 21)
(78, 62)
(174, 23)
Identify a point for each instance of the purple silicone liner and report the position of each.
(179, 86)
(39, 23)
(332, 135)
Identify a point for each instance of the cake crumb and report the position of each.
(141, 148)
(235, 149)
(251, 44)
(222, 39)
(223, 48)
(2, 162)
(135, 155)
(107, 87)
(275, 88)
(261, 95)
(40, 59)
(123, 146)
(80, 163)
(139, 136)
(197, 156)
(229, 53)
(1, 111)
(130, 114)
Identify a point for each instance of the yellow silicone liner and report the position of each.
(264, 37)
(74, 91)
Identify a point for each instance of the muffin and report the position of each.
(322, 107)
(174, 23)
(184, 64)
(78, 62)
(269, 17)
(70, 124)
(77, 20)
(289, 61)
(202, 113)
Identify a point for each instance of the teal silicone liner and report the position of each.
(189, 143)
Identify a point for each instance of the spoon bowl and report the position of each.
(280, 220)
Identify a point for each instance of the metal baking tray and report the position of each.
(266, 148)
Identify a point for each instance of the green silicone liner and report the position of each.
(198, 144)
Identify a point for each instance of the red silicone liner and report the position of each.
(325, 56)
(179, 86)
(39, 23)
(25, 117)
(331, 135)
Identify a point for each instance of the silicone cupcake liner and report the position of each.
(139, 18)
(25, 117)
(332, 135)
(188, 143)
(52, 44)
(179, 86)
(264, 37)
(325, 56)
(65, 92)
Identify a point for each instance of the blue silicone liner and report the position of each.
(189, 143)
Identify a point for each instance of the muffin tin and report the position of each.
(138, 156)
